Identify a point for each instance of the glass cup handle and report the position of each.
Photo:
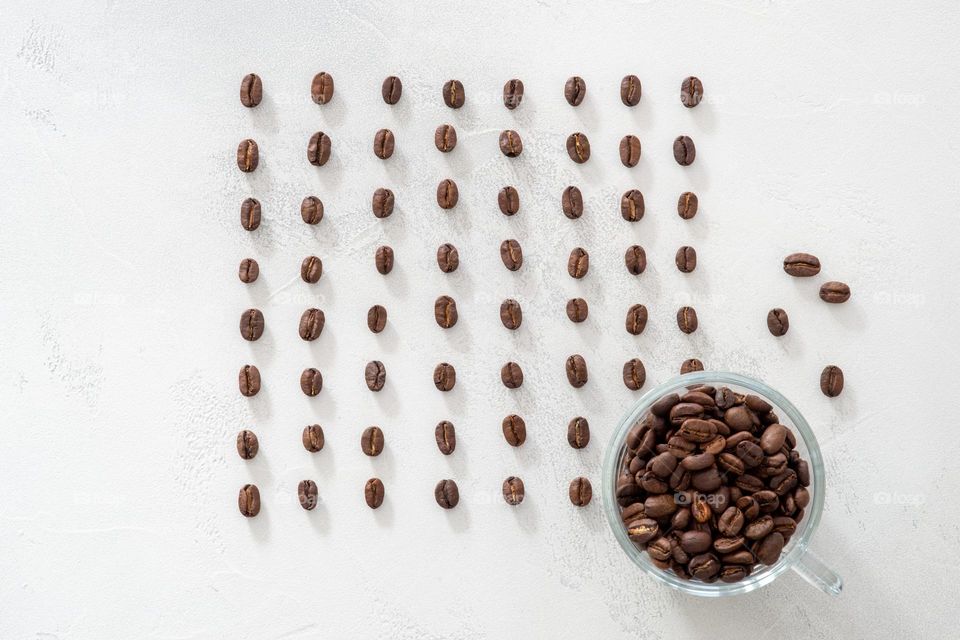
(812, 569)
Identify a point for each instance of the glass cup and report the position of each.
(796, 554)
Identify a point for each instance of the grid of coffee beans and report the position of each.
(319, 149)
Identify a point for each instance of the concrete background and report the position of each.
(825, 129)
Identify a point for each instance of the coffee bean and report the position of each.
(696, 542)
(318, 149)
(312, 438)
(691, 91)
(444, 376)
(311, 382)
(631, 206)
(578, 433)
(511, 315)
(453, 95)
(511, 254)
(375, 375)
(630, 150)
(834, 292)
(683, 411)
(311, 210)
(447, 194)
(578, 147)
(510, 143)
(247, 444)
(446, 437)
(634, 374)
(769, 549)
(697, 430)
(831, 381)
(514, 430)
(580, 492)
(249, 500)
(576, 371)
(636, 320)
(777, 322)
(643, 530)
(445, 138)
(249, 380)
(513, 491)
(572, 202)
(376, 318)
(448, 258)
(574, 90)
(801, 265)
(321, 89)
(511, 375)
(630, 90)
(749, 452)
(307, 492)
(687, 205)
(248, 155)
(251, 90)
(508, 200)
(391, 90)
(686, 259)
(635, 259)
(249, 270)
(512, 93)
(447, 494)
(311, 269)
(660, 505)
(696, 462)
(371, 441)
(383, 259)
(311, 324)
(704, 567)
(445, 311)
(373, 492)
(687, 319)
(684, 151)
(251, 324)
(731, 521)
(382, 204)
(690, 365)
(250, 214)
(383, 144)
(759, 528)
(577, 309)
(578, 263)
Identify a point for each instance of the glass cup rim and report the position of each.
(611, 466)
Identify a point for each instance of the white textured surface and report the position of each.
(827, 130)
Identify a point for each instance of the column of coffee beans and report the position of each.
(685, 152)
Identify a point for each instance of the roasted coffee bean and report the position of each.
(446, 436)
(318, 149)
(680, 412)
(725, 398)
(684, 151)
(690, 365)
(311, 381)
(630, 150)
(777, 322)
(687, 319)
(686, 259)
(784, 483)
(731, 464)
(634, 512)
(727, 545)
(249, 380)
(704, 397)
(661, 549)
(757, 404)
(383, 144)
(382, 203)
(741, 418)
(801, 265)
(373, 492)
(321, 89)
(511, 254)
(249, 500)
(704, 566)
(759, 528)
(660, 505)
(311, 269)
(308, 493)
(445, 311)
(576, 371)
(574, 90)
(247, 444)
(630, 90)
(248, 155)
(707, 480)
(511, 375)
(643, 530)
(578, 263)
(578, 433)
(511, 315)
(513, 491)
(512, 93)
(634, 374)
(508, 200)
(250, 214)
(578, 147)
(510, 143)
(577, 309)
(784, 525)
(447, 194)
(311, 210)
(834, 292)
(632, 206)
(251, 324)
(447, 494)
(716, 446)
(691, 91)
(636, 320)
(453, 94)
(448, 258)
(730, 522)
(773, 438)
(580, 492)
(662, 407)
(391, 90)
(750, 453)
(650, 483)
(445, 138)
(251, 90)
(750, 508)
(376, 318)
(801, 496)
(680, 520)
(663, 464)
(383, 259)
(698, 462)
(831, 381)
(733, 573)
(743, 556)
(769, 549)
(375, 375)
(697, 430)
(695, 542)
(572, 202)
(371, 441)
(444, 376)
(514, 430)
(635, 259)
(311, 324)
(312, 438)
(249, 270)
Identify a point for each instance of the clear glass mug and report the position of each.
(796, 554)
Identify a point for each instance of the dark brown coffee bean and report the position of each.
(448, 258)
(444, 376)
(577, 309)
(834, 292)
(740, 418)
(730, 522)
(453, 94)
(508, 200)
(769, 549)
(727, 545)
(373, 492)
(445, 311)
(630, 90)
(247, 444)
(447, 194)
(773, 438)
(801, 265)
(749, 452)
(631, 206)
(311, 269)
(801, 496)
(687, 319)
(447, 494)
(382, 203)
(371, 441)
(578, 433)
(251, 90)
(383, 143)
(759, 528)
(660, 505)
(704, 566)
(383, 259)
(697, 430)
(311, 382)
(514, 430)
(634, 374)
(663, 464)
(251, 324)
(248, 155)
(321, 89)
(511, 254)
(635, 259)
(513, 491)
(690, 365)
(578, 147)
(661, 549)
(572, 202)
(311, 324)
(391, 90)
(445, 138)
(580, 492)
(733, 573)
(311, 210)
(512, 93)
(831, 381)
(630, 150)
(716, 446)
(249, 380)
(249, 270)
(375, 375)
(698, 462)
(511, 315)
(683, 411)
(643, 530)
(312, 438)
(510, 143)
(250, 214)
(731, 464)
(686, 259)
(743, 556)
(576, 371)
(249, 500)
(691, 91)
(376, 318)
(767, 500)
(307, 493)
(777, 322)
(684, 151)
(687, 205)
(574, 90)
(511, 375)
(636, 320)
(446, 436)
(695, 542)
(318, 149)
(578, 263)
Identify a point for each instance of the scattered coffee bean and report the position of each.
(578, 263)
(576, 368)
(508, 200)
(690, 365)
(391, 90)
(631, 205)
(630, 90)
(834, 292)
(312, 438)
(249, 500)
(514, 430)
(447, 494)
(635, 259)
(371, 441)
(447, 194)
(444, 376)
(311, 210)
(373, 492)
(687, 319)
(383, 143)
(686, 259)
(375, 375)
(383, 259)
(247, 444)
(311, 269)
(577, 309)
(249, 270)
(574, 90)
(318, 149)
(572, 202)
(801, 265)
(691, 91)
(511, 315)
(453, 95)
(777, 322)
(511, 375)
(249, 380)
(634, 374)
(511, 254)
(308, 493)
(376, 318)
(448, 258)
(251, 324)
(831, 381)
(580, 492)
(578, 147)
(510, 143)
(311, 382)
(445, 311)
(446, 437)
(578, 433)
(687, 205)
(684, 151)
(250, 214)
(445, 138)
(636, 319)
(382, 204)
(251, 90)
(512, 93)
(248, 155)
(513, 491)
(630, 150)
(321, 89)
(311, 324)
